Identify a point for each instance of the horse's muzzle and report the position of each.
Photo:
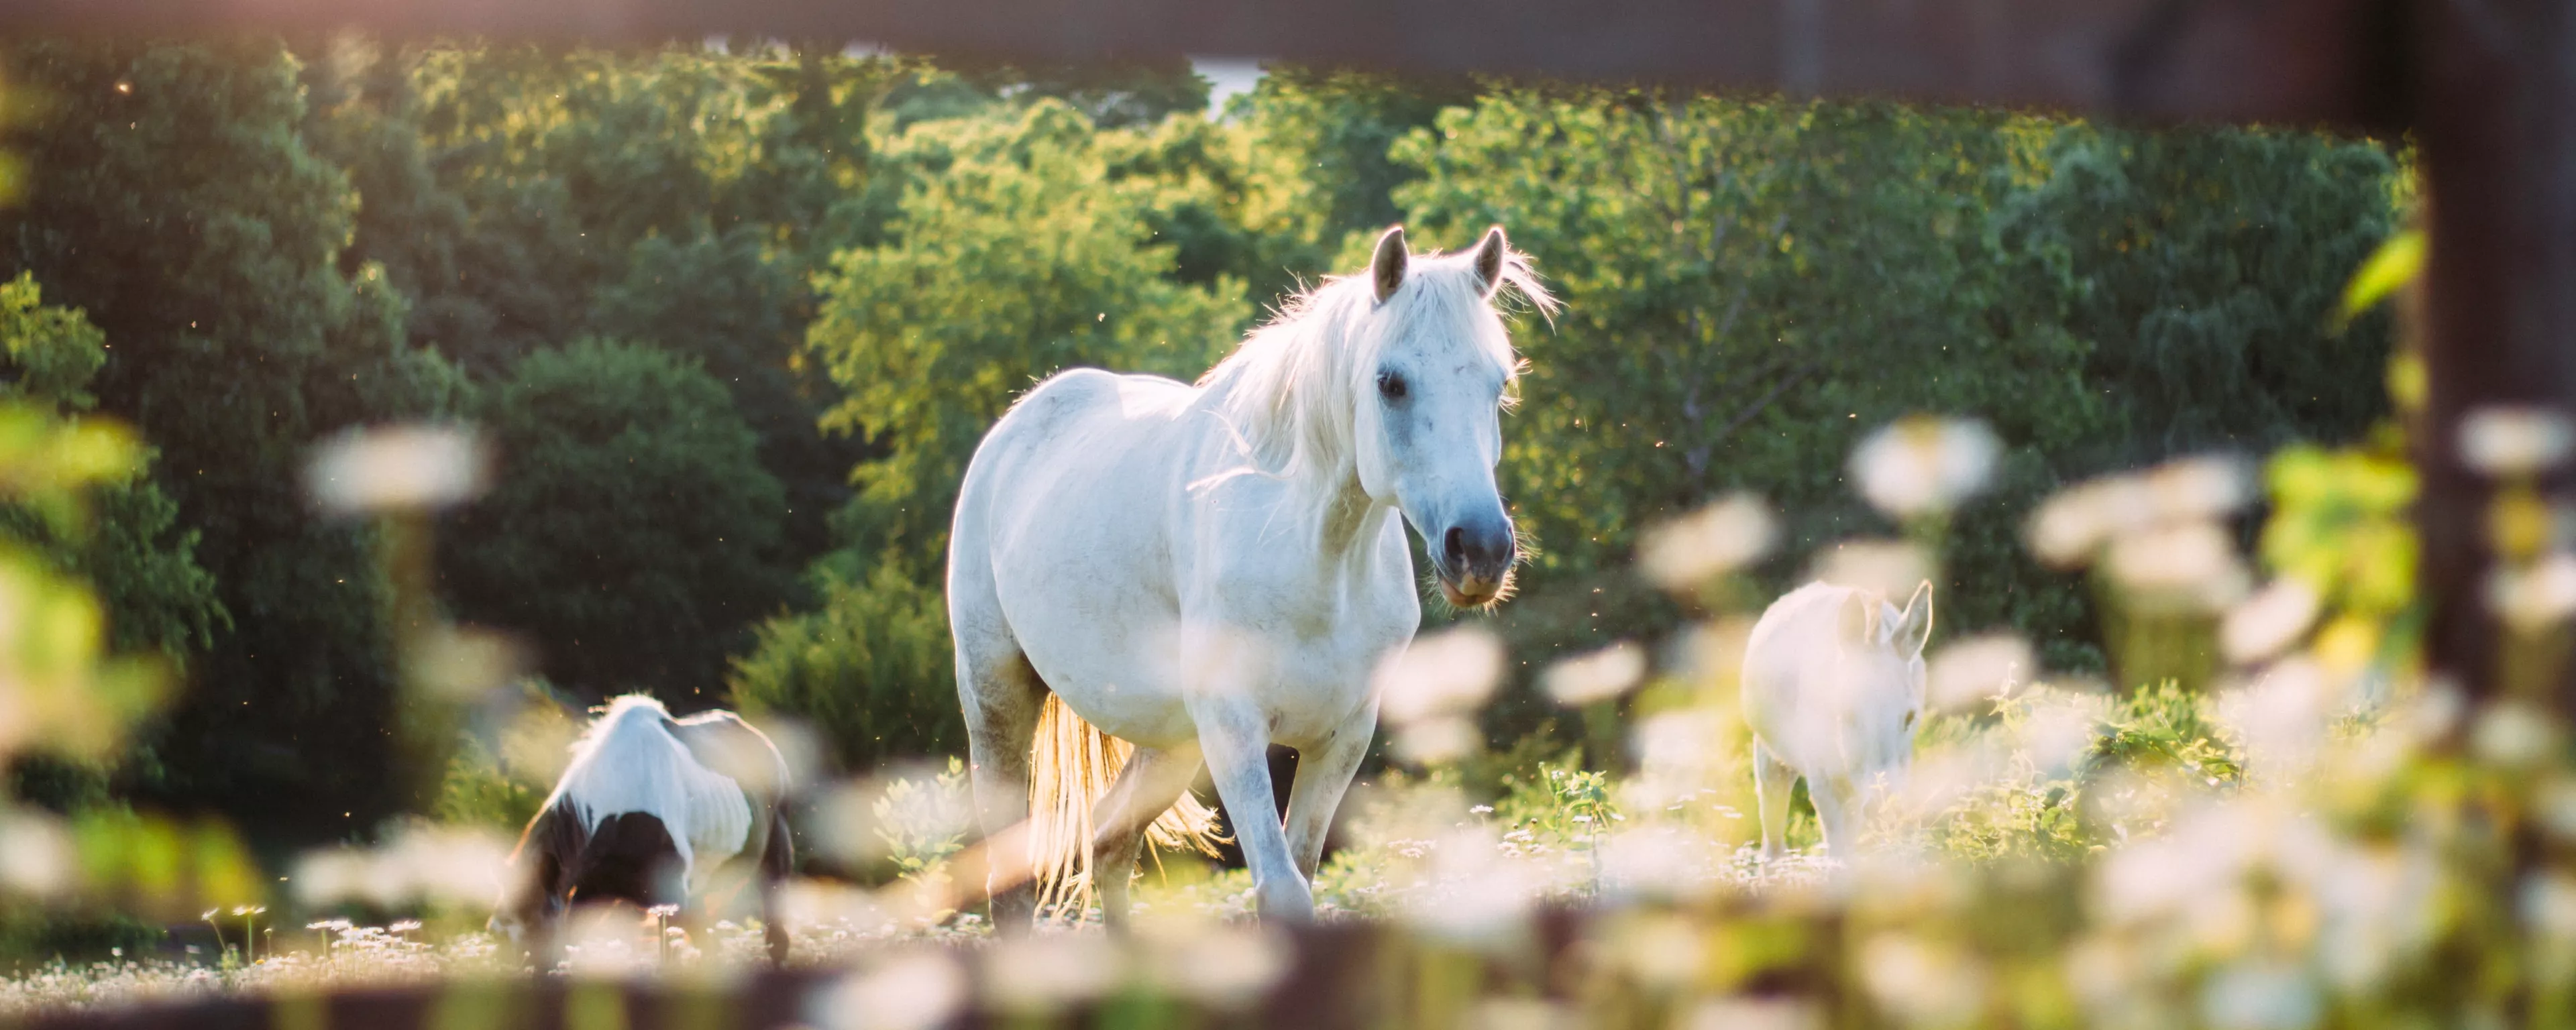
(1475, 566)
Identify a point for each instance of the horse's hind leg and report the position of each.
(1001, 695)
(1772, 779)
(1153, 779)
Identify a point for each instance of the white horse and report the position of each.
(1833, 688)
(1206, 571)
(649, 812)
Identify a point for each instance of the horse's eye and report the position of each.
(1390, 386)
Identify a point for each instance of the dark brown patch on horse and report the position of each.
(631, 858)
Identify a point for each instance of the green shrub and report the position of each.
(872, 672)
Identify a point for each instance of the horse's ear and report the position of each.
(1489, 259)
(1859, 619)
(1913, 627)
(1386, 270)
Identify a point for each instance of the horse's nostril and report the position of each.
(1453, 545)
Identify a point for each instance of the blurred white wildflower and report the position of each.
(2074, 524)
(1661, 861)
(1599, 676)
(1977, 669)
(1756, 1014)
(1226, 966)
(1927, 983)
(1446, 738)
(2537, 597)
(465, 662)
(1891, 567)
(2512, 734)
(2260, 995)
(2059, 730)
(1508, 1013)
(1677, 756)
(1480, 898)
(2198, 488)
(1445, 673)
(2263, 625)
(1924, 465)
(421, 863)
(2200, 856)
(2514, 441)
(2192, 563)
(1715, 540)
(2548, 905)
(606, 942)
(910, 990)
(2281, 716)
(412, 467)
(2557, 808)
(1662, 949)
(36, 854)
(1048, 971)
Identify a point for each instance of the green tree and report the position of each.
(1751, 286)
(632, 534)
(129, 547)
(1016, 259)
(871, 670)
(175, 199)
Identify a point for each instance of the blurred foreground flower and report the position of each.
(910, 990)
(1725, 536)
(1893, 568)
(1599, 676)
(2191, 565)
(401, 468)
(1978, 668)
(2073, 525)
(1431, 688)
(422, 863)
(2512, 441)
(2269, 622)
(2535, 597)
(1924, 465)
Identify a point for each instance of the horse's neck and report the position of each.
(1347, 531)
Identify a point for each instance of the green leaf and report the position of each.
(2394, 264)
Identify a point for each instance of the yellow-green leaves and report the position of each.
(2393, 265)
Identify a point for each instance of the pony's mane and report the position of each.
(1289, 389)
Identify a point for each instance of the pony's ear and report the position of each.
(1386, 270)
(1489, 259)
(1859, 621)
(1913, 627)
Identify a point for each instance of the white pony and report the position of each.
(1206, 571)
(637, 775)
(1833, 687)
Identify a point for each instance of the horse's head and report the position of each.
(1428, 430)
(1883, 664)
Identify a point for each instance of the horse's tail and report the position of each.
(1071, 767)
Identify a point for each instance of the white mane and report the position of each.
(629, 760)
(1289, 391)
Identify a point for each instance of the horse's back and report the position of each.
(1064, 545)
(1791, 649)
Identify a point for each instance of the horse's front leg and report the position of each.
(1324, 774)
(1236, 738)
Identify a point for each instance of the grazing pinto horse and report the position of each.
(1202, 571)
(1833, 687)
(651, 809)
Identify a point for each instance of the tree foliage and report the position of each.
(174, 199)
(1012, 259)
(632, 534)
